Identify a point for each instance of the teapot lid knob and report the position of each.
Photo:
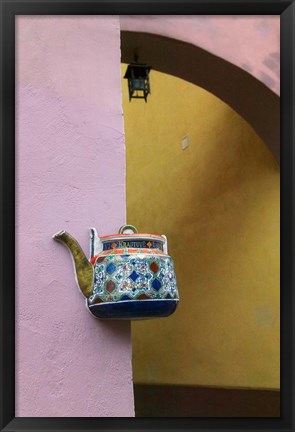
(127, 227)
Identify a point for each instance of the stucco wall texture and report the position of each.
(70, 174)
(218, 203)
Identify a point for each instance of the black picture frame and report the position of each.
(10, 8)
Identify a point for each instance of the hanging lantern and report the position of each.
(138, 80)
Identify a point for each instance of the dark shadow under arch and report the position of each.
(250, 98)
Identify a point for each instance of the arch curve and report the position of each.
(249, 97)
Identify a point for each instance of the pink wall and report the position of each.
(251, 42)
(70, 173)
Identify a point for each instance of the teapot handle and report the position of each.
(95, 243)
(127, 227)
(165, 245)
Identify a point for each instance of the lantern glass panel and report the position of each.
(138, 84)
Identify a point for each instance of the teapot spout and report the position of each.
(83, 267)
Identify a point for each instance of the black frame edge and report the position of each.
(7, 241)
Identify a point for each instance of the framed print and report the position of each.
(157, 135)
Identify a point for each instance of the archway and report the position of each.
(249, 97)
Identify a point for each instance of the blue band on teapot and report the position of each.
(137, 244)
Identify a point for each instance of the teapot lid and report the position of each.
(122, 235)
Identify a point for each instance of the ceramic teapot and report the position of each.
(129, 275)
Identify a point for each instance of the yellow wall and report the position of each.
(218, 204)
